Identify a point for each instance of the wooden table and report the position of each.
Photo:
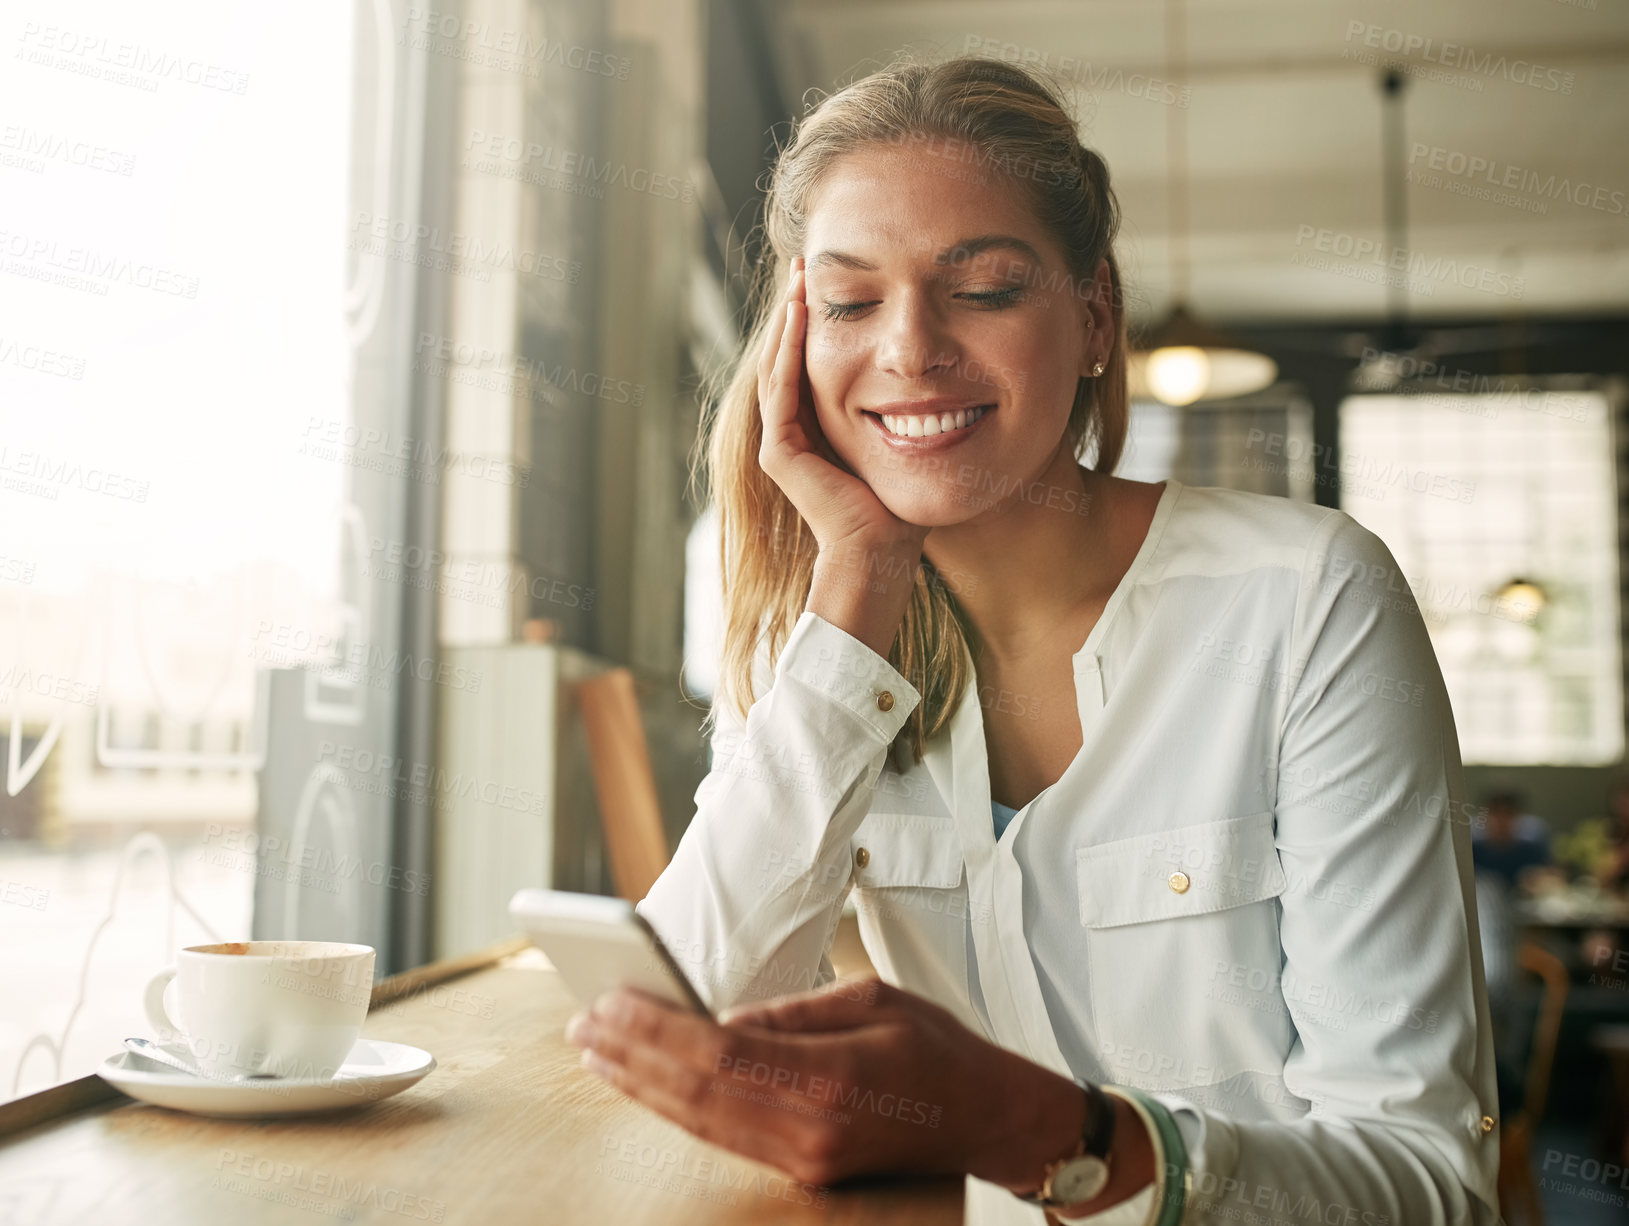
(1531, 913)
(507, 1129)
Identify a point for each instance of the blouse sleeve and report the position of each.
(750, 902)
(1382, 977)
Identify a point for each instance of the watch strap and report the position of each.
(1100, 1118)
(1096, 1140)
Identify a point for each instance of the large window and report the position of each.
(1262, 444)
(1501, 510)
(185, 511)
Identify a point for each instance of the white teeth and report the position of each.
(923, 427)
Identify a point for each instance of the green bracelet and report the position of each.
(1174, 1178)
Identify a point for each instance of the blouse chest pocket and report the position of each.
(911, 904)
(891, 850)
(1175, 922)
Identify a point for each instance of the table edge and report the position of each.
(59, 1102)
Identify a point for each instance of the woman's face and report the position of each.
(946, 334)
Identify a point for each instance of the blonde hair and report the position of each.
(1007, 119)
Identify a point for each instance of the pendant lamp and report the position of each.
(1183, 360)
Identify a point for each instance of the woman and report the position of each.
(1220, 962)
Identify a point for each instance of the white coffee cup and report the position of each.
(288, 1008)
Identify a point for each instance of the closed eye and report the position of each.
(989, 300)
(996, 299)
(845, 310)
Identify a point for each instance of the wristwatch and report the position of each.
(1083, 1174)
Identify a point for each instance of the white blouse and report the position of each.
(1247, 904)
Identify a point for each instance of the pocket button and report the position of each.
(862, 857)
(1178, 882)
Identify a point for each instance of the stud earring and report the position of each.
(1098, 369)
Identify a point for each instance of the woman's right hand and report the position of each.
(838, 506)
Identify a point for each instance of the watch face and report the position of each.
(1080, 1180)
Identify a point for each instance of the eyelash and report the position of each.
(995, 300)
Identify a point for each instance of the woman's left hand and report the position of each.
(858, 1077)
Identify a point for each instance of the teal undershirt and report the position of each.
(1003, 815)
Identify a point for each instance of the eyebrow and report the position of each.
(964, 250)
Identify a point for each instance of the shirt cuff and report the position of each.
(833, 662)
(1168, 1195)
(1135, 1211)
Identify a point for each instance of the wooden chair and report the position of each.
(630, 812)
(1517, 1183)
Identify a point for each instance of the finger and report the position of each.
(842, 1005)
(822, 444)
(767, 356)
(629, 1018)
(688, 1053)
(773, 339)
(775, 1077)
(771, 348)
(788, 368)
(742, 1127)
(680, 1077)
(807, 418)
(763, 1104)
(782, 430)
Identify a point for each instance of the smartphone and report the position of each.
(599, 943)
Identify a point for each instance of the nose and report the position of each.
(913, 341)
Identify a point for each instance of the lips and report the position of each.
(929, 431)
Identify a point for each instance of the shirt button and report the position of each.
(1487, 1124)
(862, 857)
(1178, 882)
(885, 701)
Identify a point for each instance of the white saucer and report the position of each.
(372, 1071)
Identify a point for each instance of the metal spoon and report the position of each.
(147, 1049)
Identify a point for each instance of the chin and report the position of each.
(928, 500)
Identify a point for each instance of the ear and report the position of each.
(1096, 320)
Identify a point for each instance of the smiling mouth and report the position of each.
(921, 425)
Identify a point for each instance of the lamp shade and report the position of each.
(1520, 600)
(1183, 360)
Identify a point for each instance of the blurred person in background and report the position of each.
(1501, 935)
(1510, 845)
(1511, 852)
(1613, 871)
(1605, 951)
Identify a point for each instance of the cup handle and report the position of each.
(157, 1016)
